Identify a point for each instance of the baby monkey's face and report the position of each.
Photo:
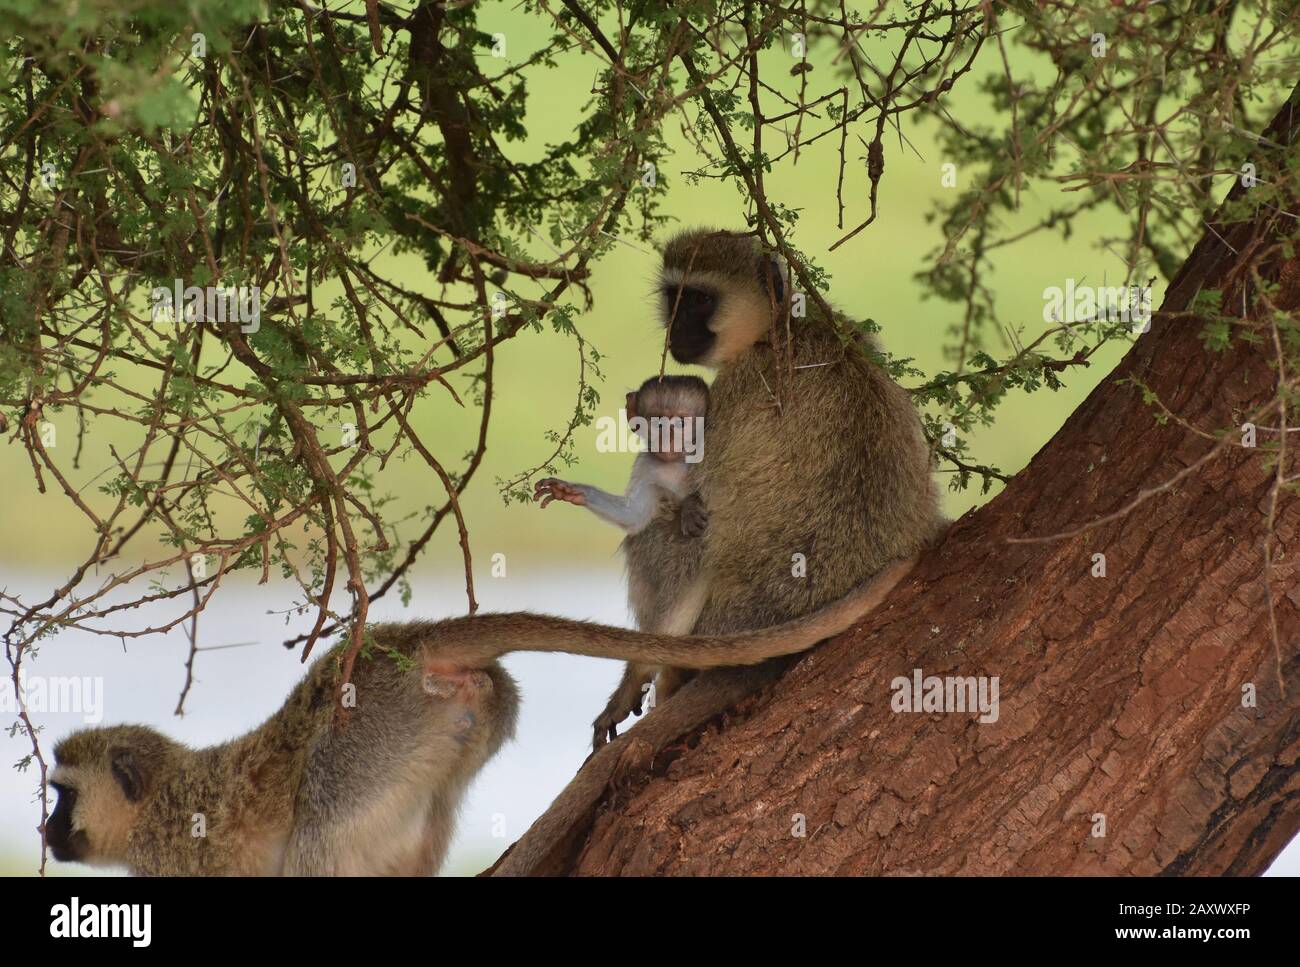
(669, 416)
(674, 436)
(671, 436)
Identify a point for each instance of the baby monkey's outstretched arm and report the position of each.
(630, 512)
(667, 412)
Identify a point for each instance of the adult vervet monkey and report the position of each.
(808, 494)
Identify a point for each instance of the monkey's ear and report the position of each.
(126, 771)
(631, 406)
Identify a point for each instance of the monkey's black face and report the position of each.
(688, 315)
(67, 845)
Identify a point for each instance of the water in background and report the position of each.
(236, 688)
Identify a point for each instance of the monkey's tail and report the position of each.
(479, 638)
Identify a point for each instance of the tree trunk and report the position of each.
(1121, 697)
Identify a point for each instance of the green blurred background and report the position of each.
(871, 276)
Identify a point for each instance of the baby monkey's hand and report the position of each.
(694, 518)
(552, 488)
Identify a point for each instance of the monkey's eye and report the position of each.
(67, 795)
(699, 300)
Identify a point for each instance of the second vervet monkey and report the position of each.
(296, 795)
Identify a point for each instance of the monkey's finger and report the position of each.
(547, 500)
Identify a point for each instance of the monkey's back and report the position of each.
(242, 792)
(382, 793)
(840, 475)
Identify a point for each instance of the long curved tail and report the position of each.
(479, 638)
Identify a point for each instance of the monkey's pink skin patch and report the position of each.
(439, 687)
(442, 681)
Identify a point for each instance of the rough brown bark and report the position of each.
(1120, 695)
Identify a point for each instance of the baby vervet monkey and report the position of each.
(667, 414)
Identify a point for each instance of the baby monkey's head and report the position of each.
(668, 412)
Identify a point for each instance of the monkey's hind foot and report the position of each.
(626, 700)
(605, 728)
